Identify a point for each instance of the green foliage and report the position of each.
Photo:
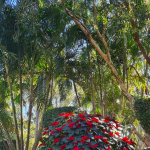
(51, 113)
(142, 110)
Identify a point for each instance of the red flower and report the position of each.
(69, 120)
(66, 115)
(89, 123)
(111, 134)
(71, 138)
(40, 138)
(83, 119)
(71, 125)
(98, 137)
(56, 140)
(82, 141)
(50, 149)
(46, 128)
(78, 126)
(130, 142)
(80, 115)
(58, 129)
(108, 148)
(95, 120)
(105, 140)
(42, 144)
(95, 145)
(85, 137)
(63, 146)
(76, 148)
(62, 136)
(125, 139)
(45, 133)
(117, 133)
(51, 132)
(55, 123)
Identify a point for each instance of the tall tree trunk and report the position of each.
(7, 136)
(100, 85)
(21, 103)
(113, 104)
(50, 100)
(124, 68)
(48, 89)
(35, 145)
(30, 104)
(37, 121)
(4, 143)
(105, 95)
(40, 122)
(75, 89)
(13, 106)
(91, 79)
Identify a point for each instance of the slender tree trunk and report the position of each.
(35, 145)
(7, 136)
(37, 121)
(113, 104)
(124, 68)
(91, 79)
(4, 143)
(50, 100)
(48, 89)
(105, 110)
(30, 104)
(75, 89)
(13, 106)
(21, 103)
(101, 96)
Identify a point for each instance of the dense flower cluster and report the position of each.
(84, 132)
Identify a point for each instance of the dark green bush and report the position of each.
(51, 113)
(142, 110)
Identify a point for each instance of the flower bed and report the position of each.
(84, 132)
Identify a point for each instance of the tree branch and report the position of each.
(136, 35)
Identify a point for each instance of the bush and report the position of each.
(48, 116)
(84, 132)
(142, 111)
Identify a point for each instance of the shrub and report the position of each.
(84, 132)
(142, 111)
(48, 116)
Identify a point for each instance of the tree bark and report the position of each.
(101, 96)
(21, 103)
(113, 104)
(37, 121)
(13, 106)
(105, 110)
(7, 136)
(4, 143)
(48, 89)
(30, 104)
(105, 57)
(75, 89)
(124, 68)
(91, 79)
(136, 35)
